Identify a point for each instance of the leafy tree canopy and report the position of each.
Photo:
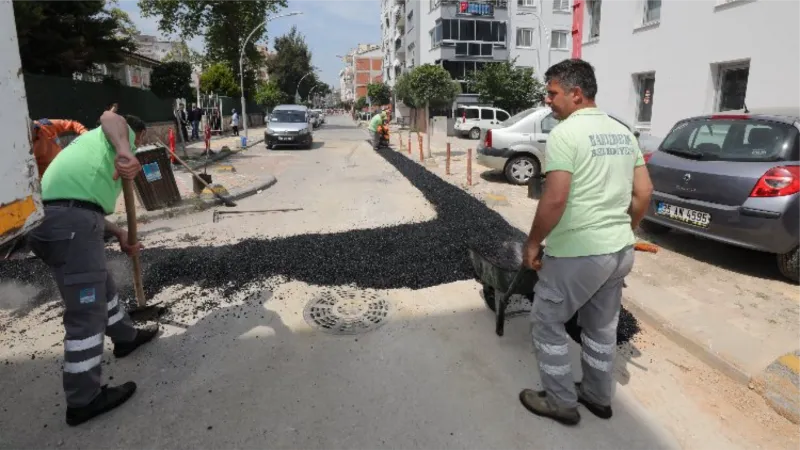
(64, 37)
(219, 79)
(379, 93)
(182, 52)
(506, 86)
(431, 85)
(290, 63)
(224, 24)
(402, 88)
(172, 80)
(270, 95)
(360, 104)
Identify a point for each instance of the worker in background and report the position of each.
(376, 121)
(596, 192)
(49, 137)
(80, 187)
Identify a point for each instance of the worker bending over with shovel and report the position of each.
(80, 187)
(596, 192)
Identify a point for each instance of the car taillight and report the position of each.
(487, 141)
(777, 182)
(647, 157)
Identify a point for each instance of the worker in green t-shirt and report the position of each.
(596, 192)
(376, 121)
(79, 188)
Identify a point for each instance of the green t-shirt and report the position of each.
(375, 122)
(601, 154)
(84, 171)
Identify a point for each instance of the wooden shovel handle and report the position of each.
(130, 210)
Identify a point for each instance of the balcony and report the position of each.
(502, 4)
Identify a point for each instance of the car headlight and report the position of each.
(304, 131)
(270, 131)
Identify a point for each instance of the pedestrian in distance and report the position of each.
(235, 122)
(195, 116)
(182, 121)
(597, 189)
(80, 187)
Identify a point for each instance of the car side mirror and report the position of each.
(636, 134)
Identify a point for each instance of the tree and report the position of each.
(360, 104)
(506, 86)
(61, 38)
(292, 62)
(402, 89)
(172, 80)
(430, 85)
(219, 79)
(379, 93)
(270, 95)
(126, 28)
(224, 24)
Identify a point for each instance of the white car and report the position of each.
(471, 120)
(517, 147)
(321, 115)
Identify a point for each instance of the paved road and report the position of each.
(252, 373)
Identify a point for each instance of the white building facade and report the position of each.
(661, 61)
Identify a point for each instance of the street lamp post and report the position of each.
(241, 62)
(539, 48)
(297, 89)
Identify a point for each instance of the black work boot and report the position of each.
(143, 336)
(108, 399)
(537, 403)
(601, 411)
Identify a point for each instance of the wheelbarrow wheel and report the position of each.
(488, 297)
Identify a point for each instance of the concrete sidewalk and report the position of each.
(756, 346)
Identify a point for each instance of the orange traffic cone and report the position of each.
(171, 139)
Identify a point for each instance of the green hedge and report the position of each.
(63, 98)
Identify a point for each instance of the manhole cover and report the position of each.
(340, 311)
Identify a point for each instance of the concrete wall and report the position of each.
(683, 48)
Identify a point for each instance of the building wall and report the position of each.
(683, 50)
(551, 20)
(369, 69)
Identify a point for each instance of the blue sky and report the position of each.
(331, 28)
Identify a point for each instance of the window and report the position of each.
(487, 114)
(461, 49)
(644, 99)
(732, 86)
(548, 123)
(483, 31)
(593, 8)
(652, 11)
(473, 30)
(524, 37)
(561, 5)
(527, 3)
(460, 70)
(730, 140)
(501, 116)
(466, 30)
(558, 40)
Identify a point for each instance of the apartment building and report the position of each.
(462, 36)
(363, 65)
(704, 56)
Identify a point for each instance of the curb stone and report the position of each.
(779, 384)
(197, 204)
(223, 155)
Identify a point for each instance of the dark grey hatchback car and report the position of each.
(733, 177)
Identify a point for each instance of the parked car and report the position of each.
(517, 147)
(315, 120)
(321, 115)
(289, 125)
(470, 120)
(732, 177)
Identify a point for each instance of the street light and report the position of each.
(297, 90)
(241, 62)
(539, 48)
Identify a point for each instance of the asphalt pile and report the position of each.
(414, 256)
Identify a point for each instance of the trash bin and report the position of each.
(536, 187)
(451, 127)
(155, 184)
(244, 142)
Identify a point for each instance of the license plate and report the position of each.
(285, 138)
(692, 217)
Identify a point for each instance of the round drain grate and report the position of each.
(344, 312)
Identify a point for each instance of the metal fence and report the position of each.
(64, 98)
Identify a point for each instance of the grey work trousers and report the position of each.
(375, 139)
(592, 287)
(70, 241)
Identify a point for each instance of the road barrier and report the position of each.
(409, 145)
(421, 154)
(469, 167)
(447, 164)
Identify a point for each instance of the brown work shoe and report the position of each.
(537, 403)
(601, 411)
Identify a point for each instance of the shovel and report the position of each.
(225, 201)
(142, 311)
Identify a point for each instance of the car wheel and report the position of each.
(653, 228)
(475, 133)
(789, 264)
(270, 146)
(520, 169)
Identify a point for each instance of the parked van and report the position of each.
(289, 125)
(470, 120)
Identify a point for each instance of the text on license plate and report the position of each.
(285, 138)
(696, 218)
